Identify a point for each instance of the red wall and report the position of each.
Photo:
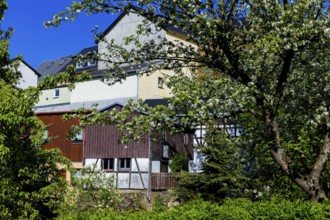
(58, 129)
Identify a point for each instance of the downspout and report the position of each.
(149, 169)
(138, 85)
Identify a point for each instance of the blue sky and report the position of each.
(38, 44)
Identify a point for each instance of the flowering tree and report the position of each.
(272, 63)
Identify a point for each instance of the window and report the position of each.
(160, 82)
(124, 163)
(92, 62)
(81, 64)
(78, 174)
(186, 139)
(45, 136)
(107, 163)
(56, 93)
(166, 149)
(86, 63)
(77, 136)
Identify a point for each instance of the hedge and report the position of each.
(230, 209)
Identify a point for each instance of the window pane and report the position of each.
(56, 93)
(125, 163)
(107, 164)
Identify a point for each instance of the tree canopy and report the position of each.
(31, 181)
(264, 61)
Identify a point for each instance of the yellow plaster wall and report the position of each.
(148, 85)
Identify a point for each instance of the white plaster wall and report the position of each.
(29, 78)
(155, 167)
(92, 161)
(123, 180)
(136, 181)
(143, 164)
(127, 26)
(94, 90)
(47, 96)
(111, 175)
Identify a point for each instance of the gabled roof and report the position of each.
(28, 65)
(114, 23)
(134, 8)
(151, 102)
(53, 67)
(88, 50)
(111, 106)
(154, 102)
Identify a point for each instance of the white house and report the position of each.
(29, 76)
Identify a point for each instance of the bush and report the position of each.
(179, 162)
(159, 204)
(93, 191)
(230, 209)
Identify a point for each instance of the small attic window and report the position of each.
(92, 62)
(56, 93)
(160, 82)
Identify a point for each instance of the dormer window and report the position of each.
(86, 63)
(81, 64)
(92, 62)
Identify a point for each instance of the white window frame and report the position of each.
(56, 93)
(78, 136)
(126, 164)
(110, 162)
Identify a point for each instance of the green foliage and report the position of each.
(178, 162)
(69, 77)
(230, 209)
(159, 204)
(31, 180)
(263, 62)
(94, 191)
(223, 173)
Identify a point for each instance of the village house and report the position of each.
(29, 76)
(99, 144)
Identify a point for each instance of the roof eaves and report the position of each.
(28, 65)
(114, 23)
(110, 106)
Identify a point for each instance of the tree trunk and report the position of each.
(310, 182)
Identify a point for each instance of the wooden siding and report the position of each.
(162, 181)
(58, 129)
(176, 143)
(103, 142)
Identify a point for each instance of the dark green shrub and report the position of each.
(159, 204)
(179, 162)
